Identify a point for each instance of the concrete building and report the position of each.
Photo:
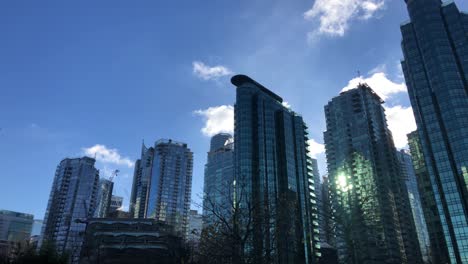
(116, 203)
(119, 241)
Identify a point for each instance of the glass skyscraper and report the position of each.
(163, 183)
(371, 210)
(104, 198)
(438, 248)
(273, 172)
(409, 175)
(219, 178)
(435, 65)
(72, 201)
(141, 179)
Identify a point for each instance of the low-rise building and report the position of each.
(134, 241)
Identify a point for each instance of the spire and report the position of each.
(143, 147)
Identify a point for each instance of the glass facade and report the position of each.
(103, 198)
(141, 179)
(435, 48)
(409, 175)
(317, 193)
(372, 219)
(438, 249)
(37, 227)
(274, 172)
(195, 227)
(14, 226)
(325, 213)
(72, 201)
(219, 178)
(162, 184)
(171, 184)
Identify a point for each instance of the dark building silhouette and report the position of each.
(135, 241)
(372, 213)
(435, 65)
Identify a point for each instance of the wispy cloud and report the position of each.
(315, 148)
(107, 155)
(400, 119)
(217, 119)
(335, 16)
(206, 72)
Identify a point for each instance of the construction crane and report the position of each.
(114, 174)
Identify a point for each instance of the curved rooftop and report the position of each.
(240, 79)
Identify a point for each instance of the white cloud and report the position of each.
(400, 121)
(379, 83)
(206, 72)
(217, 119)
(336, 15)
(106, 155)
(315, 148)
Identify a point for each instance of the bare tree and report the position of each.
(239, 229)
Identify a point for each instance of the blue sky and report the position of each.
(101, 76)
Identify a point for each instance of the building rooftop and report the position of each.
(16, 214)
(365, 86)
(170, 141)
(239, 80)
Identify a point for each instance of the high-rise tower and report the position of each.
(435, 65)
(72, 201)
(219, 178)
(162, 184)
(104, 198)
(372, 214)
(141, 179)
(273, 172)
(408, 173)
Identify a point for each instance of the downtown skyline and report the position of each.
(117, 97)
